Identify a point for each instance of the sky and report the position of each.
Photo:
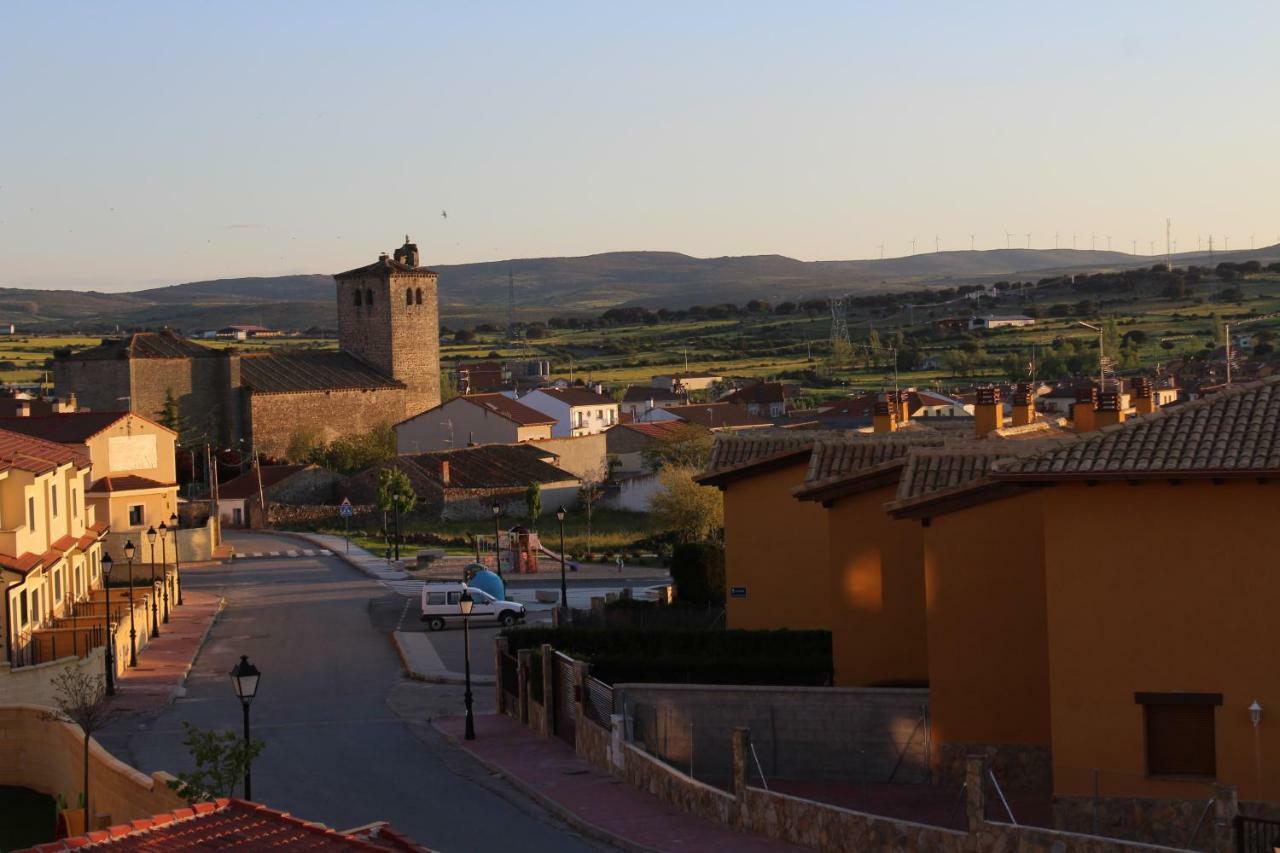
(151, 143)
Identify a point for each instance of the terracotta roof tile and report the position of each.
(21, 564)
(510, 409)
(124, 484)
(718, 415)
(574, 396)
(1234, 431)
(276, 373)
(246, 485)
(642, 394)
(932, 474)
(63, 428)
(384, 266)
(37, 455)
(734, 451)
(837, 464)
(760, 392)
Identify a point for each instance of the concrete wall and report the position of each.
(633, 494)
(49, 757)
(809, 733)
(30, 685)
(878, 626)
(582, 456)
(776, 547)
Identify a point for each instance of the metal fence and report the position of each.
(1256, 835)
(510, 676)
(597, 704)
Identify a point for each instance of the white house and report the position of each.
(999, 322)
(577, 411)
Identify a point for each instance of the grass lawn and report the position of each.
(26, 818)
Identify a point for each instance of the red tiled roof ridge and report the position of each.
(98, 422)
(19, 450)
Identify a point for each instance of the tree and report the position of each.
(395, 493)
(1111, 336)
(590, 491)
(80, 700)
(697, 570)
(682, 507)
(533, 502)
(686, 446)
(352, 454)
(221, 757)
(171, 415)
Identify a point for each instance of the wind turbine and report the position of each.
(1151, 247)
(913, 245)
(937, 243)
(1007, 238)
(1055, 239)
(1135, 247)
(1108, 243)
(1073, 241)
(1028, 240)
(1251, 242)
(1226, 243)
(971, 236)
(880, 246)
(1093, 241)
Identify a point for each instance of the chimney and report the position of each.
(988, 413)
(1144, 396)
(885, 414)
(904, 406)
(444, 472)
(1024, 405)
(1082, 413)
(1109, 411)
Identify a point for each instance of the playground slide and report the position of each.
(553, 555)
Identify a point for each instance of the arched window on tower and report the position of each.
(419, 296)
(357, 297)
(368, 296)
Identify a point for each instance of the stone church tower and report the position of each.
(388, 317)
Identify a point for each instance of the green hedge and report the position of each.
(697, 569)
(690, 656)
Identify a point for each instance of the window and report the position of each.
(455, 597)
(408, 296)
(418, 296)
(1179, 733)
(22, 609)
(75, 507)
(57, 586)
(136, 515)
(53, 500)
(368, 296)
(357, 297)
(435, 598)
(31, 513)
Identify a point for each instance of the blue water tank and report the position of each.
(483, 579)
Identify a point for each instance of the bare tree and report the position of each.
(589, 492)
(80, 699)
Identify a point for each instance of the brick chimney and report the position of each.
(1083, 411)
(1144, 398)
(904, 406)
(444, 472)
(1109, 411)
(1024, 405)
(988, 413)
(885, 414)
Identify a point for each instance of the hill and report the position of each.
(546, 286)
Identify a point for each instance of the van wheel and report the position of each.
(507, 619)
(436, 623)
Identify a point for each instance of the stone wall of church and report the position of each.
(275, 419)
(98, 384)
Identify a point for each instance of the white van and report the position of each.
(440, 606)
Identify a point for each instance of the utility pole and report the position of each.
(1168, 242)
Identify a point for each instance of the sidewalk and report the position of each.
(356, 557)
(164, 662)
(422, 662)
(590, 799)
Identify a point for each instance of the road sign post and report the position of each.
(346, 512)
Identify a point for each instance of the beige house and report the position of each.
(575, 410)
(50, 539)
(687, 381)
(470, 420)
(133, 479)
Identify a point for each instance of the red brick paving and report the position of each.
(164, 661)
(548, 767)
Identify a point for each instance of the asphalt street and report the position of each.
(347, 735)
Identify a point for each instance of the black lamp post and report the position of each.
(129, 551)
(111, 640)
(174, 524)
(244, 678)
(465, 603)
(155, 623)
(564, 588)
(497, 539)
(164, 569)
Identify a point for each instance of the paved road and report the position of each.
(347, 739)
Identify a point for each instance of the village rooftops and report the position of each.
(512, 410)
(319, 370)
(68, 427)
(937, 479)
(654, 429)
(760, 392)
(736, 456)
(36, 455)
(576, 396)
(842, 467)
(163, 344)
(644, 393)
(232, 823)
(246, 485)
(718, 415)
(489, 466)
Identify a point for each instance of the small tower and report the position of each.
(388, 318)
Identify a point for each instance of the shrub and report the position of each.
(697, 569)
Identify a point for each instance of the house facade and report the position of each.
(577, 411)
(469, 420)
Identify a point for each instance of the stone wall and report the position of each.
(593, 742)
(32, 685)
(652, 776)
(1018, 766)
(99, 384)
(274, 419)
(313, 485)
(582, 456)
(48, 757)
(286, 515)
(1141, 819)
(810, 733)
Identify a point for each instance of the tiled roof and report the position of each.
(66, 427)
(384, 266)
(491, 466)
(935, 474)
(125, 484)
(836, 465)
(1235, 431)
(733, 451)
(655, 429)
(718, 415)
(230, 824)
(162, 344)
(274, 373)
(644, 393)
(574, 396)
(246, 485)
(512, 410)
(761, 392)
(37, 455)
(22, 564)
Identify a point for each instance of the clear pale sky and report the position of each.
(153, 143)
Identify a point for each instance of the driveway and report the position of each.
(347, 735)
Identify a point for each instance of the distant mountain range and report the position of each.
(549, 286)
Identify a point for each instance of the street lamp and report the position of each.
(497, 539)
(564, 589)
(244, 678)
(129, 551)
(164, 568)
(1255, 714)
(111, 640)
(151, 539)
(465, 603)
(174, 524)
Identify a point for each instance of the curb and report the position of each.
(204, 638)
(446, 677)
(346, 558)
(570, 817)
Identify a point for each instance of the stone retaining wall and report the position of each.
(593, 743)
(652, 776)
(32, 685)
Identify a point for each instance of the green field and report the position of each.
(797, 346)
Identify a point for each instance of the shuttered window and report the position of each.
(1180, 733)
